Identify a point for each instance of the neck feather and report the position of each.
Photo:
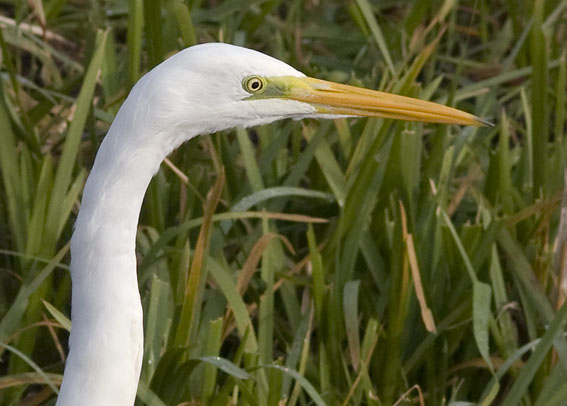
(106, 342)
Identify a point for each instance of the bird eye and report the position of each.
(253, 84)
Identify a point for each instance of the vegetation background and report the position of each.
(348, 262)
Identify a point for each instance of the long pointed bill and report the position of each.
(334, 98)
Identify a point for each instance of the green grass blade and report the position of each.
(350, 306)
(366, 11)
(57, 315)
(184, 22)
(540, 129)
(225, 366)
(146, 395)
(135, 29)
(521, 384)
(266, 306)
(561, 101)
(39, 210)
(235, 302)
(13, 316)
(212, 349)
(72, 140)
(32, 364)
(311, 391)
(482, 294)
(328, 164)
(255, 198)
(318, 272)
(249, 159)
(10, 174)
(156, 327)
(153, 28)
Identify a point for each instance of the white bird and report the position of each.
(202, 89)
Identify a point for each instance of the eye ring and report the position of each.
(253, 84)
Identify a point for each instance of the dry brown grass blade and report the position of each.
(362, 370)
(203, 239)
(37, 30)
(293, 271)
(28, 378)
(191, 301)
(249, 269)
(403, 398)
(426, 314)
(297, 218)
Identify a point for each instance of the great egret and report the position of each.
(202, 89)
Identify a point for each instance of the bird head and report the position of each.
(211, 87)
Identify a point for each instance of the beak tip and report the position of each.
(484, 123)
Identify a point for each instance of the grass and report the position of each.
(347, 262)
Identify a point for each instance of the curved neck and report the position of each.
(106, 342)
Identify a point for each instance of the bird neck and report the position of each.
(106, 342)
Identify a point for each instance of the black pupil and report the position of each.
(255, 85)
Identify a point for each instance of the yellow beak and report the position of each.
(334, 98)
